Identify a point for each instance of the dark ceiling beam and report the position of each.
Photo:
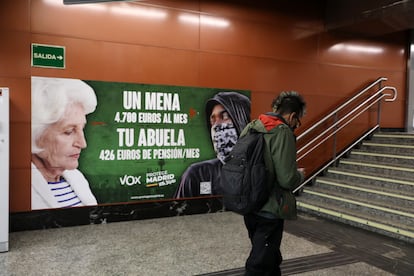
(369, 17)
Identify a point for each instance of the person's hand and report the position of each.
(302, 171)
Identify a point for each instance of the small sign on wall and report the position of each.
(49, 56)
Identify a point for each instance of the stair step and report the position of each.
(388, 170)
(361, 207)
(387, 216)
(400, 149)
(398, 184)
(382, 157)
(359, 220)
(398, 138)
(389, 145)
(381, 196)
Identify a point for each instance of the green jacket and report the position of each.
(280, 158)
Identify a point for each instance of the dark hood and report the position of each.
(236, 104)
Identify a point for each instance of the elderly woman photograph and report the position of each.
(59, 109)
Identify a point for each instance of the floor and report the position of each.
(207, 244)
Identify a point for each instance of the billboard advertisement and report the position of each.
(96, 142)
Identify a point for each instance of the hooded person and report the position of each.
(227, 114)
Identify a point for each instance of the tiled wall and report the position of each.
(253, 47)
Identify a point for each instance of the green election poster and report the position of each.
(96, 142)
(142, 137)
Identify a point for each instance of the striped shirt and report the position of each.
(64, 194)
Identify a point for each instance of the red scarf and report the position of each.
(270, 122)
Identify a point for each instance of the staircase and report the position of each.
(371, 187)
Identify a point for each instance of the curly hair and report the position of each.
(288, 102)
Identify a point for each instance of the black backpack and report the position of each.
(244, 175)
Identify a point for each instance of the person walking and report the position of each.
(265, 227)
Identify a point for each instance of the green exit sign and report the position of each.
(49, 56)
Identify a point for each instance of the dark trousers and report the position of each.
(265, 235)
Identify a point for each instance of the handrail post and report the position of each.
(379, 115)
(379, 107)
(335, 137)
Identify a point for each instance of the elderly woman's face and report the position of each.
(62, 142)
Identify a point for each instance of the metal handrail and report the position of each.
(345, 117)
(344, 121)
(378, 81)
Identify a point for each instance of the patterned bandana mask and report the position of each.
(224, 137)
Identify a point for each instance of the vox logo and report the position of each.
(130, 180)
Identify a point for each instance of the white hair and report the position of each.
(51, 97)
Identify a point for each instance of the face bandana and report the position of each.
(224, 137)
